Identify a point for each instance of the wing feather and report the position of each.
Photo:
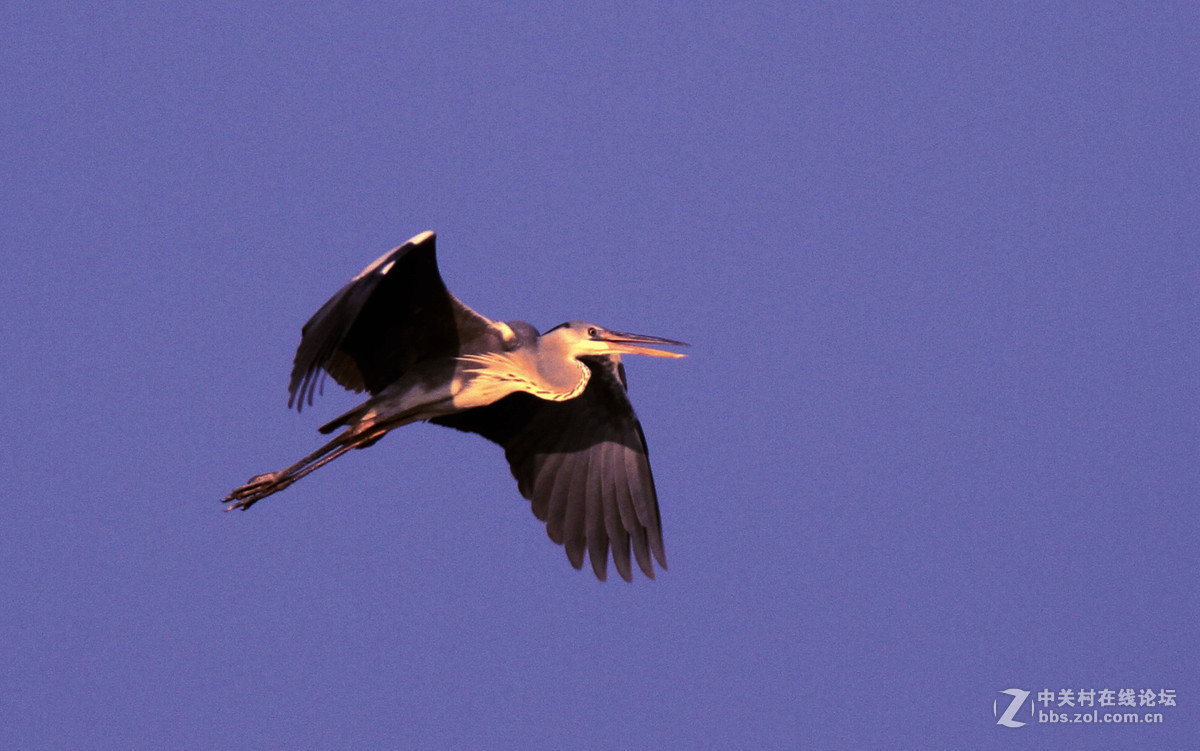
(574, 530)
(615, 521)
(594, 513)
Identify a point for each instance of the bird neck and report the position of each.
(558, 379)
(560, 374)
(584, 375)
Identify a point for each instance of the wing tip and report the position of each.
(426, 236)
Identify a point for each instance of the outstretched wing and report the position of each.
(584, 466)
(396, 312)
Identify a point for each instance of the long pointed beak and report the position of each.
(627, 344)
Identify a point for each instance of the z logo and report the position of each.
(1018, 699)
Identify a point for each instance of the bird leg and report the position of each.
(261, 486)
(407, 401)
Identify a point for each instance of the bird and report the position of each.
(556, 402)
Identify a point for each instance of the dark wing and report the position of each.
(396, 312)
(584, 466)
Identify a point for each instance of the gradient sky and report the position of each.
(937, 436)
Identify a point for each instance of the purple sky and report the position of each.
(937, 436)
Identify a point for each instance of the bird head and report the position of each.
(581, 339)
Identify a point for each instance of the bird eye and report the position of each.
(592, 332)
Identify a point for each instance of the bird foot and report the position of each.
(258, 488)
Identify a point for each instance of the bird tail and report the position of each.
(387, 412)
(346, 418)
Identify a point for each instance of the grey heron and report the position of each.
(556, 402)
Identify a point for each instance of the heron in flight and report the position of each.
(555, 401)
